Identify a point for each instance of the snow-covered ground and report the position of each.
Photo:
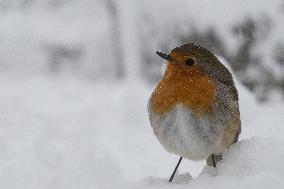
(61, 132)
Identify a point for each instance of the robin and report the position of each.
(194, 109)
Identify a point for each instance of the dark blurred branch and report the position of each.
(59, 55)
(115, 37)
(247, 31)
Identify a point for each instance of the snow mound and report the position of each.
(255, 162)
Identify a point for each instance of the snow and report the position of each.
(247, 164)
(61, 132)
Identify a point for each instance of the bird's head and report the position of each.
(188, 56)
(191, 59)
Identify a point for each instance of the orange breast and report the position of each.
(187, 86)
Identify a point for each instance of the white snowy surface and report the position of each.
(60, 132)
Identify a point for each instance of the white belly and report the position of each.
(182, 133)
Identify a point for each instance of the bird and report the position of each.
(194, 109)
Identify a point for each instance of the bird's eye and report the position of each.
(189, 61)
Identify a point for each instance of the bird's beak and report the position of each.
(164, 55)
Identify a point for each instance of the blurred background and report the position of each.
(75, 77)
(116, 40)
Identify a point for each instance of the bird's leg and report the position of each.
(213, 159)
(173, 174)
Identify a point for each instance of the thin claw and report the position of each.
(173, 174)
(213, 160)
